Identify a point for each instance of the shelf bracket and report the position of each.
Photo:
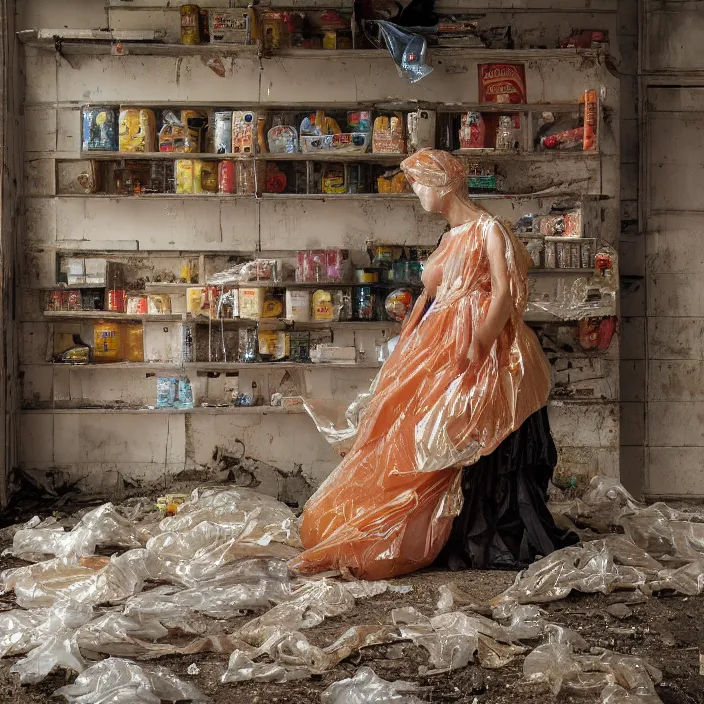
(58, 46)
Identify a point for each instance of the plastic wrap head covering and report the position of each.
(436, 170)
(388, 507)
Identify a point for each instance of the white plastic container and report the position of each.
(298, 305)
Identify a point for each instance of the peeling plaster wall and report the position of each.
(672, 220)
(281, 453)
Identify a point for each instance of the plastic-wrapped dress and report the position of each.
(388, 508)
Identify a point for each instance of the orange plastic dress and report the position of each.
(388, 507)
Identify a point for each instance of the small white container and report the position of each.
(298, 305)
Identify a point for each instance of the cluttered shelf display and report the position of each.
(135, 151)
(259, 312)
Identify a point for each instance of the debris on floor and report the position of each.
(127, 582)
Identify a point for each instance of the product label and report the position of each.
(502, 83)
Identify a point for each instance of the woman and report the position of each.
(466, 385)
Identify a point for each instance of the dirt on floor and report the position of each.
(668, 632)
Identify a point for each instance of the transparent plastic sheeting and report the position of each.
(577, 298)
(388, 507)
(661, 549)
(367, 688)
(117, 681)
(612, 677)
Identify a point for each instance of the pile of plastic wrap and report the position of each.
(173, 585)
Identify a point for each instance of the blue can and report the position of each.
(100, 129)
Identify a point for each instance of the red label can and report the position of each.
(116, 300)
(226, 177)
(54, 300)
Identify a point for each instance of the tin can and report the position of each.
(226, 177)
(190, 24)
(53, 300)
(137, 305)
(73, 300)
(223, 131)
(116, 300)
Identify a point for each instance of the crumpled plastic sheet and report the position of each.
(242, 669)
(601, 673)
(589, 297)
(388, 508)
(220, 526)
(93, 580)
(407, 49)
(308, 607)
(116, 633)
(50, 640)
(452, 639)
(525, 622)
(102, 526)
(601, 566)
(367, 688)
(214, 601)
(118, 681)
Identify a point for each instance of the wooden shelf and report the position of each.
(322, 156)
(102, 43)
(207, 410)
(73, 315)
(366, 197)
(281, 324)
(173, 367)
(559, 272)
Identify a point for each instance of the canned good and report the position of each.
(223, 131)
(73, 300)
(116, 300)
(190, 24)
(245, 178)
(226, 177)
(365, 303)
(137, 305)
(53, 300)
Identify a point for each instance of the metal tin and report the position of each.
(190, 24)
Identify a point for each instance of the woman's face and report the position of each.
(429, 198)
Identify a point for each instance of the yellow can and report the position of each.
(184, 176)
(107, 341)
(190, 24)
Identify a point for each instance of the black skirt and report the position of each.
(505, 522)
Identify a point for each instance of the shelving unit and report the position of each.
(149, 229)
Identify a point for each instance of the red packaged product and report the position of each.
(502, 83)
(117, 299)
(569, 139)
(226, 177)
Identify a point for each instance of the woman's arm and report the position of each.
(501, 303)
